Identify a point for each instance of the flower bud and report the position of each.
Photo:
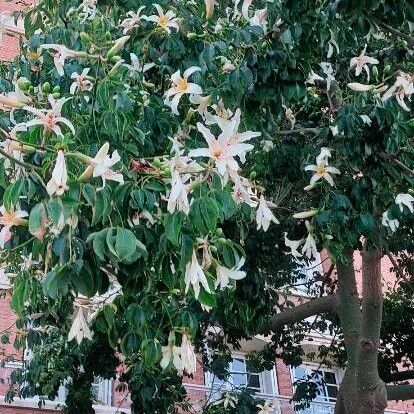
(56, 89)
(359, 87)
(46, 87)
(209, 8)
(23, 83)
(85, 37)
(386, 70)
(305, 214)
(192, 36)
(118, 46)
(374, 72)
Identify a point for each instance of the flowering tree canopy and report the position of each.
(166, 167)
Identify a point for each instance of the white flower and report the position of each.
(60, 55)
(264, 216)
(228, 401)
(260, 19)
(224, 149)
(9, 219)
(209, 8)
(328, 71)
(136, 65)
(324, 155)
(313, 77)
(58, 183)
(359, 87)
(50, 118)
(188, 357)
(171, 353)
(102, 165)
(89, 9)
(81, 82)
(366, 119)
(178, 199)
(405, 200)
(402, 88)
(181, 86)
(15, 99)
(224, 274)
(227, 65)
(321, 170)
(5, 282)
(309, 248)
(80, 328)
(388, 222)
(194, 275)
(202, 102)
(293, 245)
(165, 21)
(266, 408)
(132, 21)
(242, 190)
(361, 62)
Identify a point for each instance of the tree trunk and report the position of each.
(372, 391)
(350, 316)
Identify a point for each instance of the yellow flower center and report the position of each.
(163, 21)
(217, 153)
(9, 217)
(182, 85)
(33, 56)
(320, 170)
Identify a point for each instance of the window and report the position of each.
(242, 375)
(327, 382)
(102, 391)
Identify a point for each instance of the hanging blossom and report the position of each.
(321, 169)
(194, 275)
(327, 69)
(50, 118)
(178, 198)
(61, 53)
(14, 99)
(221, 150)
(361, 62)
(309, 248)
(183, 357)
(101, 166)
(209, 8)
(81, 82)
(228, 400)
(268, 407)
(132, 21)
(9, 219)
(264, 215)
(224, 274)
(165, 21)
(406, 200)
(402, 88)
(136, 66)
(58, 183)
(80, 329)
(260, 19)
(386, 221)
(180, 86)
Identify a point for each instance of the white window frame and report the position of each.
(228, 384)
(309, 367)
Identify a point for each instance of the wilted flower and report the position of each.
(132, 21)
(388, 222)
(50, 118)
(361, 62)
(209, 8)
(81, 82)
(165, 21)
(224, 274)
(194, 275)
(402, 88)
(80, 328)
(228, 400)
(406, 200)
(181, 86)
(264, 216)
(58, 183)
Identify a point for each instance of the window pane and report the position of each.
(239, 380)
(330, 378)
(332, 391)
(238, 365)
(250, 368)
(253, 381)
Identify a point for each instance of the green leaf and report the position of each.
(125, 243)
(172, 224)
(37, 219)
(207, 299)
(12, 193)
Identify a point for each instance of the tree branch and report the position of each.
(400, 392)
(397, 162)
(400, 376)
(405, 36)
(304, 310)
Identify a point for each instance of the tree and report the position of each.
(129, 227)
